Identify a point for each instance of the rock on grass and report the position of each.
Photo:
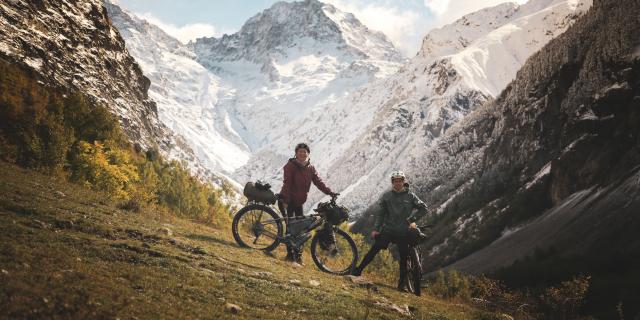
(232, 308)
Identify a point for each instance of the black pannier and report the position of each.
(259, 192)
(334, 213)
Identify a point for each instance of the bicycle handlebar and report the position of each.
(334, 197)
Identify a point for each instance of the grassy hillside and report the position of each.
(67, 252)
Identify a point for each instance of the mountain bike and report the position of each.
(259, 226)
(414, 262)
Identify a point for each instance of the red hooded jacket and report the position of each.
(297, 181)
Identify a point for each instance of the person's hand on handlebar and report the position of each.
(413, 225)
(374, 234)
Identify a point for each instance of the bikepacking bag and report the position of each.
(296, 226)
(259, 192)
(335, 214)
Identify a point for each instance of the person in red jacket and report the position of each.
(299, 173)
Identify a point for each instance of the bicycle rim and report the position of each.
(338, 258)
(414, 273)
(255, 227)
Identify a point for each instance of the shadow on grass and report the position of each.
(201, 237)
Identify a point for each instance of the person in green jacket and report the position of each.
(400, 209)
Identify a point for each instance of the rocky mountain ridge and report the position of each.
(552, 164)
(270, 33)
(73, 44)
(413, 108)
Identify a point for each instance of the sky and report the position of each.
(405, 22)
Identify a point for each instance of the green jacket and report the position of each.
(398, 211)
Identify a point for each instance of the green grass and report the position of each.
(78, 256)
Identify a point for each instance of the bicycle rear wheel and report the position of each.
(258, 227)
(337, 258)
(414, 272)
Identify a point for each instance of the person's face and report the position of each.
(398, 184)
(302, 154)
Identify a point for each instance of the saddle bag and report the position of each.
(259, 192)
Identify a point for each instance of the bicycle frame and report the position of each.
(303, 235)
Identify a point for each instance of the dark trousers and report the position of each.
(382, 242)
(293, 211)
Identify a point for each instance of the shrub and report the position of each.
(57, 129)
(564, 300)
(104, 168)
(450, 285)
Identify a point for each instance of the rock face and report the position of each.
(73, 44)
(552, 163)
(397, 122)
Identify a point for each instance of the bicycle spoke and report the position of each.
(338, 257)
(270, 234)
(257, 229)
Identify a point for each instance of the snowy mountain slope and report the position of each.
(552, 164)
(286, 66)
(305, 71)
(186, 93)
(491, 62)
(261, 84)
(431, 93)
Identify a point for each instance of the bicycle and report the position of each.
(259, 226)
(414, 261)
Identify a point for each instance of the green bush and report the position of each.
(57, 130)
(450, 285)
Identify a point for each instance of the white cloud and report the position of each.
(403, 26)
(437, 6)
(183, 33)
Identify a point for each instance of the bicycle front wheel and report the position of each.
(258, 227)
(336, 258)
(414, 272)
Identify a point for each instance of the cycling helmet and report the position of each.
(398, 175)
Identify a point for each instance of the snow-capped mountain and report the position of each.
(305, 71)
(185, 92)
(304, 26)
(548, 172)
(254, 89)
(460, 67)
(286, 65)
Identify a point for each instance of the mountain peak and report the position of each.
(456, 36)
(292, 24)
